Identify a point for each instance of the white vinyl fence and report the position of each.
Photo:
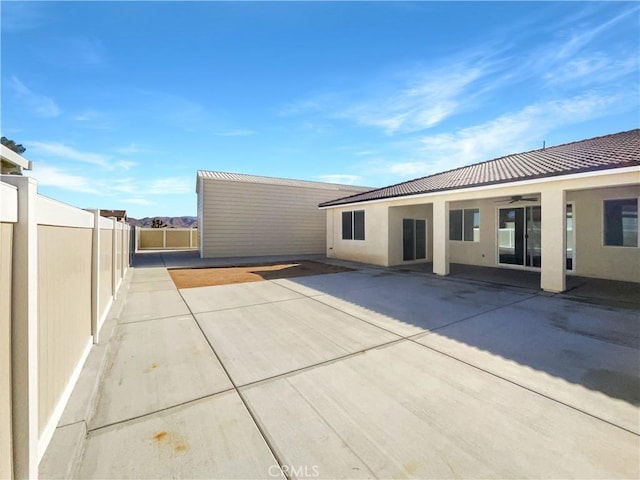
(60, 270)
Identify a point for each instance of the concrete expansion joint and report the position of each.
(128, 322)
(241, 307)
(524, 387)
(321, 364)
(235, 388)
(160, 410)
(499, 307)
(315, 299)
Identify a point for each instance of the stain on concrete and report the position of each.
(173, 441)
(597, 332)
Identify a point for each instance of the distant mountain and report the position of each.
(171, 222)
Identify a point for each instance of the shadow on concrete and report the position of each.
(593, 342)
(589, 335)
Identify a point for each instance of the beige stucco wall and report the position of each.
(592, 258)
(484, 251)
(396, 215)
(6, 250)
(247, 219)
(374, 248)
(64, 310)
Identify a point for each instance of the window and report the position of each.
(569, 237)
(464, 225)
(621, 222)
(353, 225)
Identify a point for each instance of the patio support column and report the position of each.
(553, 233)
(440, 237)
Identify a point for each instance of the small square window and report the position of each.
(353, 225)
(464, 225)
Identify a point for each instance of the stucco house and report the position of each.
(567, 209)
(249, 215)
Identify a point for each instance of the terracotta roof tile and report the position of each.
(601, 153)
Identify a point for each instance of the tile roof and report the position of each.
(601, 153)
(239, 177)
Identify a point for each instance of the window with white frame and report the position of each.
(621, 222)
(464, 225)
(353, 225)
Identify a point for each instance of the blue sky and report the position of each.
(120, 103)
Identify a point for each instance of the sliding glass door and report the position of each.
(414, 239)
(519, 241)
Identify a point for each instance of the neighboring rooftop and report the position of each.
(118, 214)
(12, 162)
(601, 153)
(239, 177)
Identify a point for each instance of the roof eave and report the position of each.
(333, 203)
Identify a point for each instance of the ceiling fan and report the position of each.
(518, 198)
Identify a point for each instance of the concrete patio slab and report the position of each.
(410, 305)
(148, 305)
(335, 283)
(149, 275)
(261, 341)
(582, 355)
(213, 437)
(337, 394)
(208, 299)
(406, 411)
(157, 364)
(151, 286)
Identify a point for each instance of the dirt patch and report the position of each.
(206, 277)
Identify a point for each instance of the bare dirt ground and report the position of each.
(206, 277)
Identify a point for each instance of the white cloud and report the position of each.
(40, 105)
(340, 178)
(425, 102)
(513, 132)
(59, 150)
(583, 37)
(55, 177)
(64, 152)
(411, 100)
(597, 68)
(168, 186)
